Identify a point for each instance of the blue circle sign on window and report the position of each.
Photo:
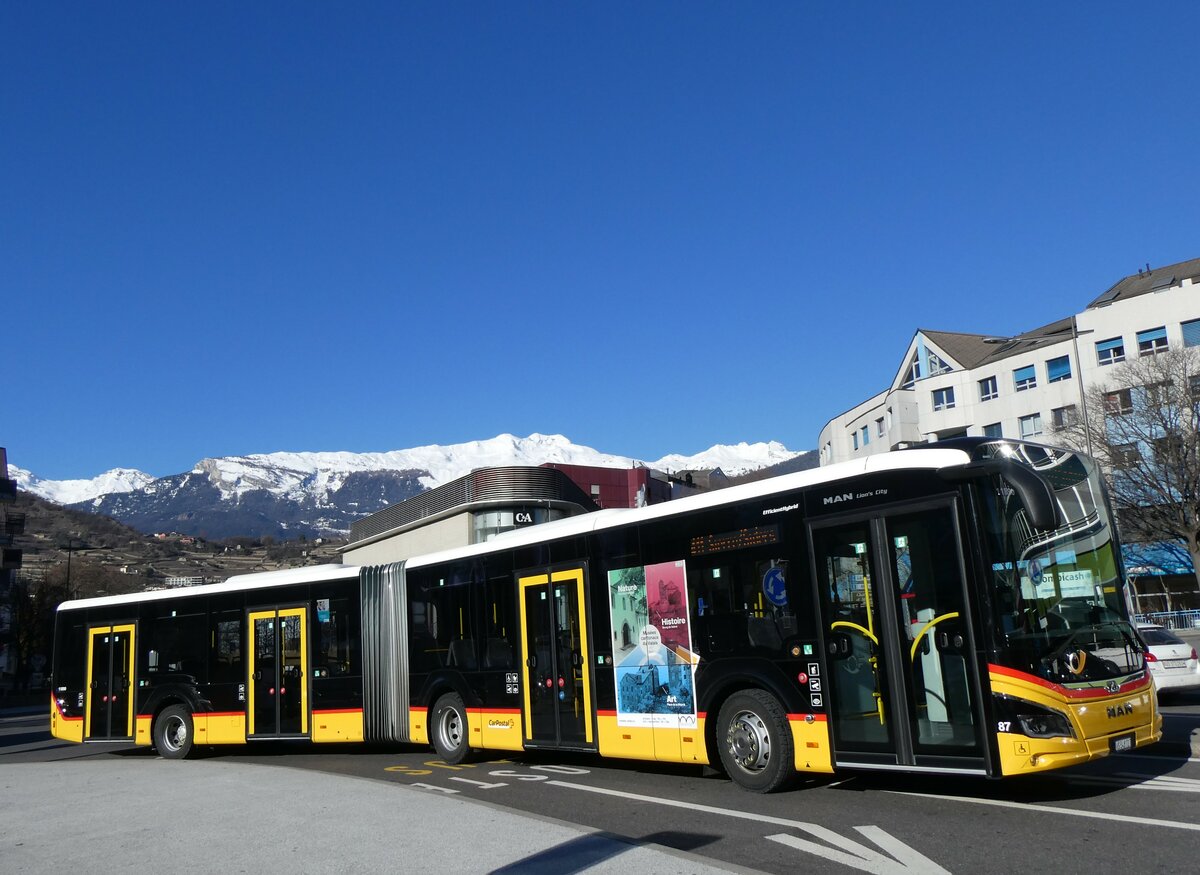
(775, 586)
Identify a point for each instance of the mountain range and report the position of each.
(285, 495)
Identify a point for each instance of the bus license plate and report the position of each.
(1121, 743)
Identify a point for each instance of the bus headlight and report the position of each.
(1046, 724)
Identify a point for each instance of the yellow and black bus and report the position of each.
(955, 608)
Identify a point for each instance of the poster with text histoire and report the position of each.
(652, 646)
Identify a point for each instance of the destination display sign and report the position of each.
(754, 536)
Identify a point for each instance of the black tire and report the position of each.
(449, 730)
(755, 742)
(174, 733)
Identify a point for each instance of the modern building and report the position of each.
(488, 501)
(949, 384)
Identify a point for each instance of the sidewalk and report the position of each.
(147, 814)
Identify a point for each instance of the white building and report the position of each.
(952, 384)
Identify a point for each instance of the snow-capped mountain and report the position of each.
(72, 491)
(321, 493)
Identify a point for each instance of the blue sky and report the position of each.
(238, 228)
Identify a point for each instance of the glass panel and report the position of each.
(540, 677)
(569, 679)
(931, 614)
(266, 677)
(291, 675)
(100, 682)
(851, 610)
(1191, 333)
(1058, 369)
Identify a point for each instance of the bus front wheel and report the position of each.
(755, 741)
(173, 733)
(450, 731)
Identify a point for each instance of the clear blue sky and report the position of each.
(248, 227)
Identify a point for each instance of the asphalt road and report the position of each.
(1138, 812)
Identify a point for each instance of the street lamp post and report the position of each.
(1075, 332)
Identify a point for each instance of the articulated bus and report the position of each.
(955, 608)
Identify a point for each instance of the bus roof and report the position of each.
(238, 583)
(917, 458)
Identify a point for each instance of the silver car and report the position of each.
(1173, 662)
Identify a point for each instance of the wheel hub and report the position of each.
(749, 741)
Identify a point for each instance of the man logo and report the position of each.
(1120, 710)
(838, 499)
(1112, 686)
(1076, 660)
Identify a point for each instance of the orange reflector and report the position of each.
(812, 744)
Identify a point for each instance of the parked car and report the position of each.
(1173, 662)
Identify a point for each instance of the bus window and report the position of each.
(743, 605)
(225, 664)
(176, 644)
(498, 623)
(448, 633)
(337, 638)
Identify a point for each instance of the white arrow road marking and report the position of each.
(860, 856)
(853, 854)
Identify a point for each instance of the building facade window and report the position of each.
(854, 439)
(1152, 341)
(1063, 417)
(994, 430)
(1110, 352)
(879, 427)
(1126, 455)
(1118, 403)
(1030, 426)
(988, 389)
(1058, 369)
(1191, 333)
(866, 435)
(1024, 378)
(943, 399)
(889, 419)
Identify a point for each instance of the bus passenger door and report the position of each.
(109, 701)
(904, 685)
(278, 674)
(557, 682)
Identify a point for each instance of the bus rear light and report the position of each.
(1150, 657)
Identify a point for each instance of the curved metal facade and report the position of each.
(511, 485)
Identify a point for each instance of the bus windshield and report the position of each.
(1058, 596)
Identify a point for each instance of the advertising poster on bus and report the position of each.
(652, 646)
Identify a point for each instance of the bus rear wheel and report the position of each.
(449, 728)
(173, 732)
(755, 742)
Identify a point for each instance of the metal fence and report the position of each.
(1171, 619)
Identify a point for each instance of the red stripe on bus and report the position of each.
(493, 710)
(1092, 693)
(416, 709)
(224, 713)
(818, 718)
(339, 711)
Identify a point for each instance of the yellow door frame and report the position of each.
(87, 712)
(565, 575)
(276, 614)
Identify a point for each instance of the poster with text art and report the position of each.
(652, 646)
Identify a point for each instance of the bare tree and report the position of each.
(1144, 428)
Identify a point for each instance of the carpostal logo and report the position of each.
(498, 723)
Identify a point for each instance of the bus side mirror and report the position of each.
(1035, 493)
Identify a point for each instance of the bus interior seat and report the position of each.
(763, 632)
(462, 654)
(498, 654)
